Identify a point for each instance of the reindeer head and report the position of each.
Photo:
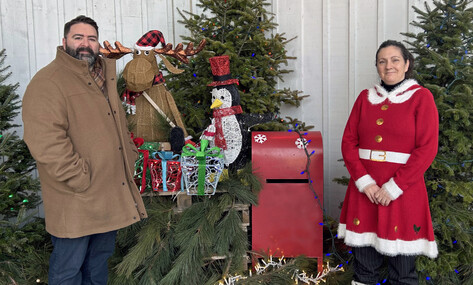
(140, 73)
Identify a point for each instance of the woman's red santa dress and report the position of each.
(390, 139)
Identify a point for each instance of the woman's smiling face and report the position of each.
(391, 65)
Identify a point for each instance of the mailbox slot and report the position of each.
(283, 181)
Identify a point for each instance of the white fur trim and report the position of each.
(378, 94)
(393, 190)
(144, 48)
(388, 247)
(364, 181)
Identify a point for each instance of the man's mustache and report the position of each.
(87, 49)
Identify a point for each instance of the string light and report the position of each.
(311, 187)
(320, 276)
(279, 263)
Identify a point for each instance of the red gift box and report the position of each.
(172, 176)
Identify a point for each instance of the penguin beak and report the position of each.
(217, 103)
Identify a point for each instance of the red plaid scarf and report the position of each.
(97, 75)
(130, 96)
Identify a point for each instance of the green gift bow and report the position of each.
(201, 155)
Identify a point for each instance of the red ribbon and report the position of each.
(218, 114)
(145, 168)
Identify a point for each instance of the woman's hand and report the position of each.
(382, 197)
(370, 191)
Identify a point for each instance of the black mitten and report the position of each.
(176, 139)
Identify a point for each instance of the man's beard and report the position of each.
(90, 58)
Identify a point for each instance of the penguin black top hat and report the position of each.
(221, 71)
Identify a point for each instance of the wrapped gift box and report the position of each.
(170, 179)
(201, 168)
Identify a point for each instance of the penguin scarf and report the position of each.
(217, 115)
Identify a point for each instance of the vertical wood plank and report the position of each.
(15, 42)
(179, 29)
(395, 20)
(326, 132)
(290, 24)
(381, 23)
(159, 18)
(69, 10)
(73, 9)
(104, 14)
(367, 44)
(1, 25)
(311, 62)
(352, 50)
(45, 23)
(339, 13)
(31, 42)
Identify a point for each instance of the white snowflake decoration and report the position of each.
(260, 138)
(300, 143)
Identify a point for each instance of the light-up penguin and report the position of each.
(225, 131)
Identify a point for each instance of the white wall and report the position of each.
(335, 47)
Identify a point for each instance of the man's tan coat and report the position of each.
(83, 149)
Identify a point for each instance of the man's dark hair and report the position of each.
(80, 19)
(405, 54)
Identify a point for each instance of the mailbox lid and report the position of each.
(281, 155)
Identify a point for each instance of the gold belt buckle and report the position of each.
(378, 155)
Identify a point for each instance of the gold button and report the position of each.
(379, 121)
(378, 138)
(395, 229)
(356, 222)
(384, 107)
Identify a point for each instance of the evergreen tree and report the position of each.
(199, 245)
(17, 189)
(243, 30)
(443, 50)
(21, 234)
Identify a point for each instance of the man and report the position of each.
(75, 128)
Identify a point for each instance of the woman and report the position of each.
(390, 140)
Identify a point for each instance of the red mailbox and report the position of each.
(288, 219)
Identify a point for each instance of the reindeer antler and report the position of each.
(180, 53)
(111, 52)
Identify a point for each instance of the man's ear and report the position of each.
(64, 43)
